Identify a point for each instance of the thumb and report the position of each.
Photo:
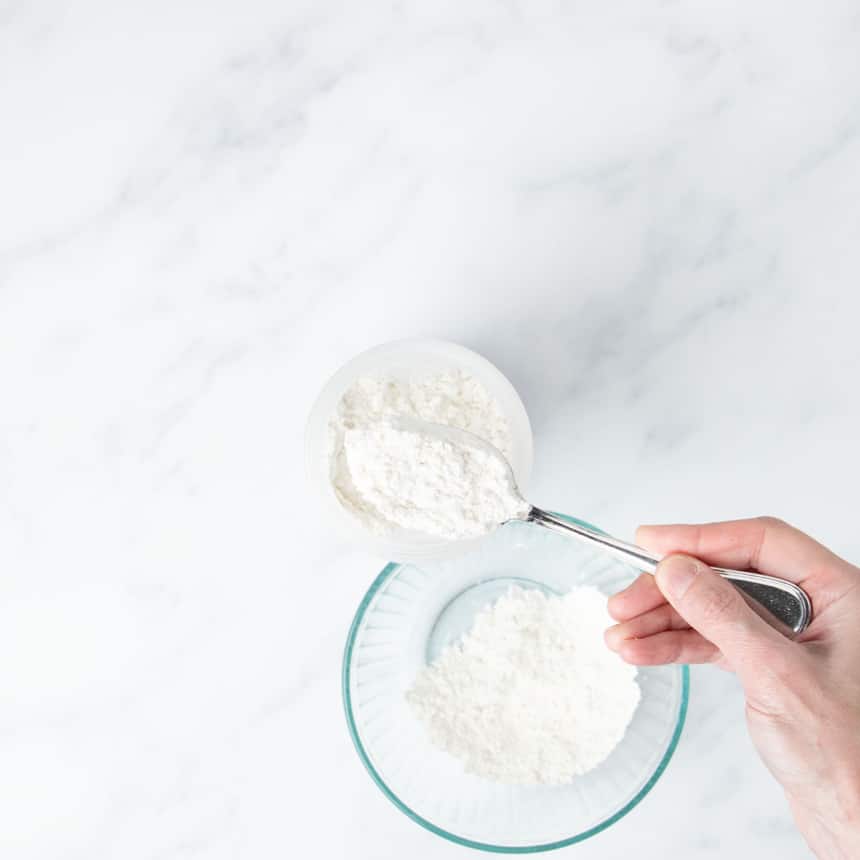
(715, 608)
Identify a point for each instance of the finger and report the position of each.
(765, 544)
(642, 595)
(672, 646)
(714, 607)
(664, 617)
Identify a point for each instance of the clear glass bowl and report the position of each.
(410, 613)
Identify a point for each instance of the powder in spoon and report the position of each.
(420, 481)
(387, 477)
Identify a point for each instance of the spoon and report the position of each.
(781, 603)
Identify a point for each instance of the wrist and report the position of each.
(829, 818)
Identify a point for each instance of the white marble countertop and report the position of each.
(645, 213)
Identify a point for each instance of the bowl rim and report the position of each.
(377, 583)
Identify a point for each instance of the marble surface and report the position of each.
(646, 213)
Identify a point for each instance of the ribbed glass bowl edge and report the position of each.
(388, 571)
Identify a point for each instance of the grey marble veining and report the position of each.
(646, 214)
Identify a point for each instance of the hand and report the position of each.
(802, 697)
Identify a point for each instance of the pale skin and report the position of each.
(802, 697)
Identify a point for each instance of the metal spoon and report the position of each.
(781, 603)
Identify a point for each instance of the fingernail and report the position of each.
(675, 575)
(612, 637)
(614, 600)
(642, 532)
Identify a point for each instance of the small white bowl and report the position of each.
(404, 360)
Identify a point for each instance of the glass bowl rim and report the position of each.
(385, 574)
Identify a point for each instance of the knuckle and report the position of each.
(676, 652)
(664, 616)
(772, 522)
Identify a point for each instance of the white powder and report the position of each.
(429, 484)
(453, 398)
(531, 694)
(388, 476)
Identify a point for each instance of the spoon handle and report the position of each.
(781, 603)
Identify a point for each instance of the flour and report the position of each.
(531, 694)
(422, 482)
(390, 477)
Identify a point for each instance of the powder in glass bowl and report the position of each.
(531, 694)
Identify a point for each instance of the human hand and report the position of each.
(803, 696)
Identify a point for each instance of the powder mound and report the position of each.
(531, 695)
(453, 398)
(426, 483)
(389, 477)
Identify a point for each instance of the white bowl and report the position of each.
(404, 360)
